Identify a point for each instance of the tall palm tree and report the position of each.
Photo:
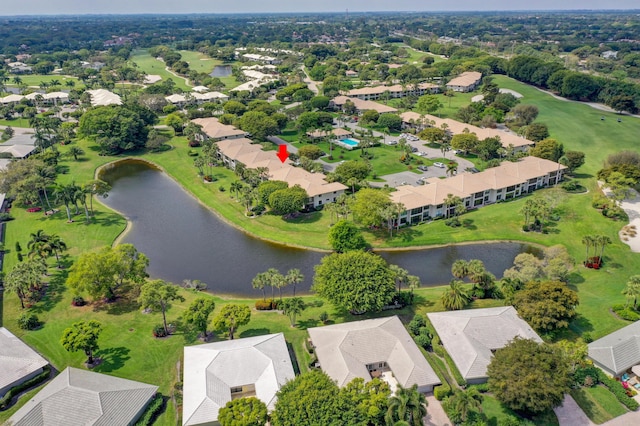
(588, 241)
(601, 242)
(632, 290)
(475, 270)
(57, 246)
(464, 401)
(413, 282)
(259, 282)
(452, 168)
(275, 278)
(455, 297)
(75, 152)
(459, 269)
(66, 194)
(97, 187)
(294, 277)
(400, 276)
(38, 245)
(407, 405)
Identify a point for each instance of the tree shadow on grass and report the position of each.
(580, 325)
(53, 293)
(105, 219)
(308, 323)
(112, 359)
(124, 304)
(252, 332)
(468, 224)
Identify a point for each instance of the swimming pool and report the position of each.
(349, 143)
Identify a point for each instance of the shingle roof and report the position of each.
(344, 351)
(211, 370)
(79, 397)
(17, 359)
(470, 335)
(216, 130)
(363, 105)
(619, 350)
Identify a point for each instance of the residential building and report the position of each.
(18, 362)
(252, 156)
(393, 92)
(19, 146)
(371, 348)
(197, 98)
(217, 131)
(80, 397)
(465, 82)
(471, 336)
(617, 352)
(361, 105)
(338, 132)
(261, 58)
(507, 181)
(453, 127)
(101, 97)
(216, 373)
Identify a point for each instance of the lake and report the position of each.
(221, 71)
(185, 240)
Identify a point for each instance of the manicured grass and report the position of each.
(198, 61)
(17, 122)
(36, 79)
(598, 403)
(418, 55)
(495, 411)
(155, 67)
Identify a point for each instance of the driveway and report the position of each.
(570, 414)
(435, 414)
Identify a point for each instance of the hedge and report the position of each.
(153, 410)
(442, 391)
(5, 401)
(616, 388)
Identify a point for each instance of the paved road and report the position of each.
(310, 83)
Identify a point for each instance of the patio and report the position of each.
(631, 379)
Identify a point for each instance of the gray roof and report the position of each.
(211, 370)
(344, 351)
(80, 397)
(21, 139)
(619, 350)
(17, 360)
(18, 151)
(470, 335)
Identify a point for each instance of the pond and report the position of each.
(185, 240)
(221, 71)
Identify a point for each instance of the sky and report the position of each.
(66, 7)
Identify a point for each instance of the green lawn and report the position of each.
(36, 79)
(418, 55)
(198, 61)
(598, 403)
(155, 67)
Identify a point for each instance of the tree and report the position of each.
(368, 205)
(231, 317)
(75, 152)
(243, 412)
(116, 128)
(292, 307)
(57, 246)
(547, 306)
(467, 142)
(25, 279)
(622, 103)
(389, 121)
(264, 189)
(345, 236)
(455, 297)
(528, 376)
(526, 114)
(352, 169)
(294, 277)
(357, 281)
(536, 132)
(260, 281)
(549, 149)
(96, 187)
(632, 290)
(288, 201)
(311, 152)
(428, 104)
(408, 405)
(258, 124)
(66, 193)
(432, 134)
(573, 160)
(158, 295)
(462, 402)
(82, 336)
(459, 269)
(363, 403)
(198, 313)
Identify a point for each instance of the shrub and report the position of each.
(259, 209)
(324, 317)
(78, 301)
(482, 387)
(192, 153)
(5, 401)
(625, 312)
(442, 391)
(5, 217)
(423, 340)
(153, 410)
(28, 321)
(600, 201)
(416, 324)
(587, 337)
(617, 389)
(194, 143)
(221, 188)
(581, 374)
(452, 222)
(570, 186)
(309, 346)
(263, 305)
(275, 304)
(159, 331)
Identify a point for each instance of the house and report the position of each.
(216, 373)
(361, 105)
(18, 362)
(80, 397)
(392, 92)
(453, 127)
(471, 336)
(507, 181)
(243, 151)
(371, 348)
(351, 73)
(465, 82)
(339, 133)
(217, 131)
(180, 100)
(19, 146)
(261, 58)
(101, 97)
(617, 352)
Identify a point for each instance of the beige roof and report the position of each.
(397, 88)
(470, 335)
(344, 351)
(362, 105)
(216, 130)
(11, 98)
(80, 397)
(321, 133)
(211, 370)
(466, 79)
(17, 359)
(100, 97)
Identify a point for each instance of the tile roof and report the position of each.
(216, 130)
(211, 370)
(466, 79)
(344, 351)
(378, 90)
(470, 335)
(101, 97)
(17, 359)
(80, 397)
(363, 105)
(619, 350)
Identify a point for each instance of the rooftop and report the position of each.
(17, 359)
(619, 350)
(466, 79)
(216, 130)
(363, 105)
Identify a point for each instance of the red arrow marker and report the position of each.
(282, 153)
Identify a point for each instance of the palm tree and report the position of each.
(459, 269)
(632, 290)
(400, 275)
(407, 405)
(294, 277)
(259, 282)
(57, 245)
(461, 402)
(455, 297)
(475, 270)
(66, 194)
(413, 282)
(588, 241)
(75, 152)
(452, 168)
(97, 187)
(235, 187)
(292, 307)
(39, 245)
(601, 242)
(449, 202)
(274, 280)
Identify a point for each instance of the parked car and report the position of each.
(439, 164)
(458, 151)
(414, 149)
(472, 169)
(423, 168)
